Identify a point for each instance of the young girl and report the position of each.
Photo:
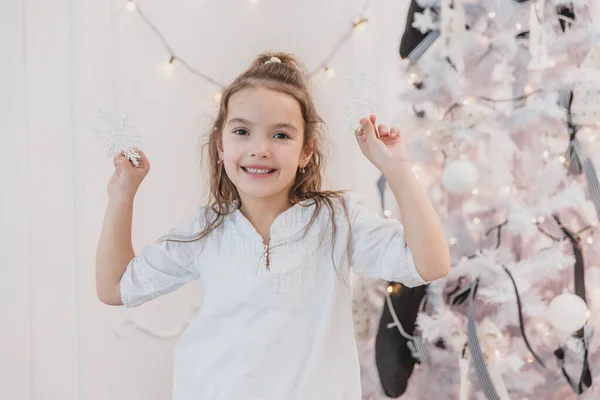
(273, 249)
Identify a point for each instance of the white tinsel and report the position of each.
(548, 180)
(428, 3)
(437, 325)
(546, 105)
(500, 292)
(570, 197)
(512, 363)
(501, 154)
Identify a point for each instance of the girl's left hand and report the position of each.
(382, 146)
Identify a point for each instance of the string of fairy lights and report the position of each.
(359, 22)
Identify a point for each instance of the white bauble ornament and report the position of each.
(567, 313)
(460, 177)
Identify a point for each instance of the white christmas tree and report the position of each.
(508, 115)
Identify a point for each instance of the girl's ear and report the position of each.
(307, 152)
(220, 147)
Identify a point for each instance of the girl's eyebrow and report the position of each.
(281, 125)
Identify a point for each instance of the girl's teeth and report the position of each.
(258, 171)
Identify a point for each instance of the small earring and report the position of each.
(302, 170)
(219, 161)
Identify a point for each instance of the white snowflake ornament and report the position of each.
(361, 99)
(424, 21)
(117, 133)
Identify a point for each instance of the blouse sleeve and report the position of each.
(377, 247)
(163, 266)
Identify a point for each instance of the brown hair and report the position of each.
(289, 77)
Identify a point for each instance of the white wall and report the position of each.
(65, 59)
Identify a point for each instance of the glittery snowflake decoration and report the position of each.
(424, 21)
(117, 133)
(360, 101)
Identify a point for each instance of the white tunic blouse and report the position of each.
(281, 332)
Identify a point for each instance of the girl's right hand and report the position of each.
(127, 178)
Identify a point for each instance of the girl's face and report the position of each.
(262, 144)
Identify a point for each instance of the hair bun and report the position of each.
(273, 59)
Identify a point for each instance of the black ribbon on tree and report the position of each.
(577, 160)
(584, 334)
(483, 376)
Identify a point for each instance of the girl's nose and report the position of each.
(260, 149)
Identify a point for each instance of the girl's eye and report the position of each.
(240, 130)
(281, 135)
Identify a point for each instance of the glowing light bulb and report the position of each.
(387, 213)
(492, 14)
(546, 154)
(529, 358)
(476, 220)
(562, 159)
(475, 191)
(390, 289)
(590, 240)
(168, 69)
(130, 6)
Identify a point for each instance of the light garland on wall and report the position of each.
(358, 23)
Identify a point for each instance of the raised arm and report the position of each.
(115, 249)
(423, 231)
